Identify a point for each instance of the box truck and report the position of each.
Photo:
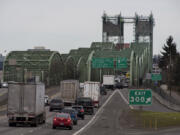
(109, 81)
(26, 103)
(92, 90)
(69, 91)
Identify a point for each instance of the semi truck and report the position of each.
(26, 103)
(92, 90)
(109, 81)
(69, 91)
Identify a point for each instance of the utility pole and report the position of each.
(170, 73)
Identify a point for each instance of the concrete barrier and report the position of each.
(165, 102)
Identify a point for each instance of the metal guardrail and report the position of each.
(165, 95)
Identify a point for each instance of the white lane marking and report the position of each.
(92, 120)
(125, 100)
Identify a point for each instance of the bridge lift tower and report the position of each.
(113, 29)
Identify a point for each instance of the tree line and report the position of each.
(169, 62)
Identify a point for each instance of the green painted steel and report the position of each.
(102, 46)
(140, 97)
(82, 63)
(90, 56)
(22, 66)
(137, 59)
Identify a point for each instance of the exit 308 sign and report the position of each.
(140, 97)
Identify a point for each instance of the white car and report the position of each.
(4, 85)
(46, 100)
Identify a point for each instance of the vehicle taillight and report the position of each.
(69, 120)
(54, 119)
(82, 110)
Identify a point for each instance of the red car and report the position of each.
(63, 120)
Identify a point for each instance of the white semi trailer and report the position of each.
(26, 103)
(69, 91)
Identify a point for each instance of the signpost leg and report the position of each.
(100, 74)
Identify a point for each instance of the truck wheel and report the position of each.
(44, 121)
(35, 123)
(75, 122)
(71, 127)
(83, 117)
(50, 109)
(11, 124)
(54, 127)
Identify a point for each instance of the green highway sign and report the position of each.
(156, 77)
(102, 63)
(140, 97)
(121, 63)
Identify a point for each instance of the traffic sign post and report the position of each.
(121, 63)
(156, 77)
(140, 97)
(117, 63)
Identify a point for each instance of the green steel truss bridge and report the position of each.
(51, 67)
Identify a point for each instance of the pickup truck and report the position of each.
(87, 104)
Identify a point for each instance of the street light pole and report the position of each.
(170, 73)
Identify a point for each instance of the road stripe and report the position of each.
(92, 120)
(125, 100)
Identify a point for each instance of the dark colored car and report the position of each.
(119, 85)
(87, 104)
(125, 84)
(73, 114)
(56, 104)
(62, 120)
(103, 90)
(80, 111)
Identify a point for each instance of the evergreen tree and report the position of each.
(169, 54)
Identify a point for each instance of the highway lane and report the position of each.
(110, 120)
(3, 96)
(45, 129)
(114, 120)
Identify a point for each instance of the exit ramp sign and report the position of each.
(156, 77)
(140, 97)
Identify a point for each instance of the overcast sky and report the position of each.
(63, 25)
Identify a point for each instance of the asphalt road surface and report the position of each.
(109, 119)
(45, 129)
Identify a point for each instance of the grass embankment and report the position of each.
(148, 119)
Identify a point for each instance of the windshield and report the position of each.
(56, 101)
(62, 115)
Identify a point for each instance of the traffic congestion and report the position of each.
(74, 103)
